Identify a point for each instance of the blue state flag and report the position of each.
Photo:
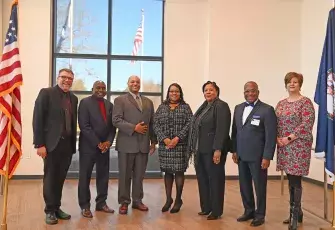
(325, 98)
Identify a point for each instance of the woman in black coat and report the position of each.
(209, 144)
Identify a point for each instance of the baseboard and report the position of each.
(235, 177)
(157, 175)
(27, 177)
(114, 175)
(316, 182)
(75, 175)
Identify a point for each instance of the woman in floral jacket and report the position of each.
(296, 117)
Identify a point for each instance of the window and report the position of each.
(150, 72)
(81, 27)
(130, 14)
(86, 71)
(110, 40)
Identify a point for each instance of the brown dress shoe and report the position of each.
(86, 213)
(140, 206)
(105, 209)
(123, 210)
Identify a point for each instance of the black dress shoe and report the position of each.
(167, 205)
(204, 213)
(50, 218)
(60, 214)
(245, 217)
(257, 222)
(212, 217)
(176, 207)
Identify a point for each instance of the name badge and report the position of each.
(255, 122)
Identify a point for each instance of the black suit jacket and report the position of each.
(93, 128)
(214, 128)
(48, 118)
(254, 142)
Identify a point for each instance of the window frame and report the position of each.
(109, 57)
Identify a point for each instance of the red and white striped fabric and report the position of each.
(10, 99)
(137, 41)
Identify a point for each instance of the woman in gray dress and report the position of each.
(171, 125)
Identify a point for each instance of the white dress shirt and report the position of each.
(247, 110)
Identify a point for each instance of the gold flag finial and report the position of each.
(15, 2)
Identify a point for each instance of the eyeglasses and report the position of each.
(174, 91)
(66, 78)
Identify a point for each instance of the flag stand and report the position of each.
(5, 198)
(333, 221)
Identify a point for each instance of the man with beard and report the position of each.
(55, 131)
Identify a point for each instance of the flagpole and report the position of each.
(282, 182)
(5, 198)
(71, 32)
(325, 193)
(142, 51)
(333, 222)
(326, 190)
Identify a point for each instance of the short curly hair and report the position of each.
(216, 87)
(291, 75)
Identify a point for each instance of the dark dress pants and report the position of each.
(248, 172)
(132, 167)
(87, 162)
(211, 182)
(56, 166)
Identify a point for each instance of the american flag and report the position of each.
(138, 40)
(10, 98)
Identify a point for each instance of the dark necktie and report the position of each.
(138, 100)
(67, 113)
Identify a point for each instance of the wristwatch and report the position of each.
(289, 138)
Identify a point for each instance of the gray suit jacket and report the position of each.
(93, 128)
(126, 114)
(250, 141)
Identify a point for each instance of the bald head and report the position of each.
(251, 91)
(134, 84)
(252, 83)
(133, 77)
